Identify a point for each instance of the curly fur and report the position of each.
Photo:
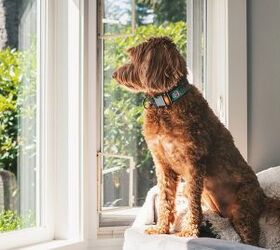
(187, 140)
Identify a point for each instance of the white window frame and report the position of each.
(37, 234)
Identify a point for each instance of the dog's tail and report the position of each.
(272, 209)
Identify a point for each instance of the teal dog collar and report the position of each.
(168, 98)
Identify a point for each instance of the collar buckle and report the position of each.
(168, 98)
(163, 100)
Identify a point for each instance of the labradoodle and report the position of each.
(187, 140)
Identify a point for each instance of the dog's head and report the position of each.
(155, 66)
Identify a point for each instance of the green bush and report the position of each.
(10, 78)
(10, 221)
(17, 105)
(123, 111)
(17, 94)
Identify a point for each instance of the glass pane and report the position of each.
(199, 37)
(116, 182)
(117, 16)
(122, 115)
(19, 159)
(202, 50)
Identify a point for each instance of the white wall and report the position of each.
(263, 27)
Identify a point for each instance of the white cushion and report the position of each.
(136, 239)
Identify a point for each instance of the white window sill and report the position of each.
(114, 217)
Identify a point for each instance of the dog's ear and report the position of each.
(162, 66)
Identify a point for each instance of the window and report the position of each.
(20, 166)
(126, 168)
(40, 121)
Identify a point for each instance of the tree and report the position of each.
(164, 11)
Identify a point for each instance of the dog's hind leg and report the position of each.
(247, 226)
(246, 211)
(167, 183)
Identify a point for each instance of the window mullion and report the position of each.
(68, 119)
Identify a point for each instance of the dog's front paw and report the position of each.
(157, 230)
(191, 231)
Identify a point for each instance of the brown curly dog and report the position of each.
(187, 140)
